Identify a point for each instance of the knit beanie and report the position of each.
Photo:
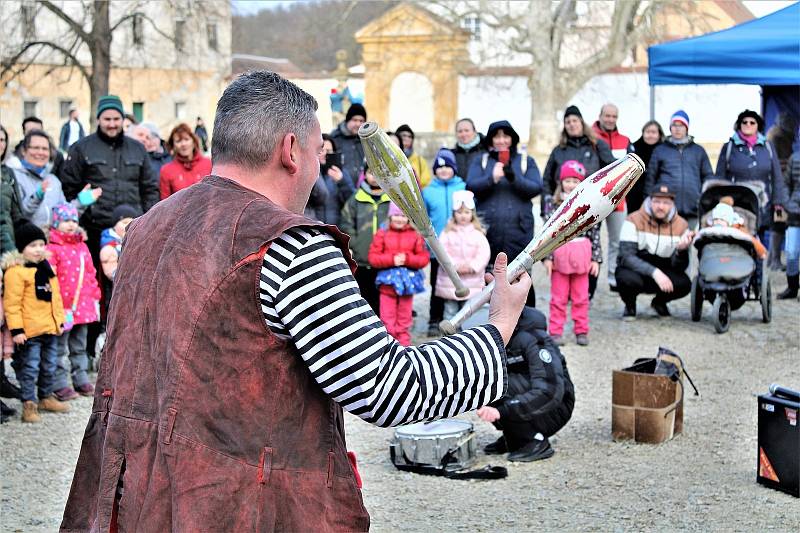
(64, 213)
(573, 110)
(724, 212)
(355, 110)
(110, 101)
(26, 232)
(680, 116)
(394, 210)
(444, 158)
(124, 211)
(572, 169)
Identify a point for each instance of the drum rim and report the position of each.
(407, 431)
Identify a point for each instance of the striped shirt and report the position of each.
(309, 295)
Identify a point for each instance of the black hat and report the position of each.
(662, 190)
(406, 128)
(573, 110)
(25, 232)
(748, 113)
(356, 110)
(124, 211)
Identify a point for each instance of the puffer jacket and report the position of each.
(466, 245)
(24, 312)
(352, 152)
(66, 251)
(120, 166)
(684, 168)
(389, 242)
(792, 180)
(10, 211)
(361, 218)
(578, 149)
(738, 163)
(532, 356)
(646, 244)
(438, 198)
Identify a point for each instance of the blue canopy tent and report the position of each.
(763, 51)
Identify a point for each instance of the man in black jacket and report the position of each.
(118, 164)
(540, 395)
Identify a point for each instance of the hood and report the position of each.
(649, 210)
(343, 131)
(737, 140)
(669, 141)
(11, 259)
(109, 236)
(501, 125)
(530, 320)
(59, 237)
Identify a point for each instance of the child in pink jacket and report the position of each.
(464, 239)
(80, 294)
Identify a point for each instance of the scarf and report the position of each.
(685, 140)
(470, 145)
(113, 141)
(39, 171)
(749, 140)
(42, 279)
(187, 163)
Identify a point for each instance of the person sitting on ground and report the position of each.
(540, 395)
(654, 254)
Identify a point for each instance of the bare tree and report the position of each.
(562, 48)
(92, 31)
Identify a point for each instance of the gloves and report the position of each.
(508, 172)
(86, 198)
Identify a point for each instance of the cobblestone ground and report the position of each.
(703, 480)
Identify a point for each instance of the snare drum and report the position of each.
(443, 444)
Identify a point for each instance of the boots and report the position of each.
(792, 289)
(30, 412)
(51, 403)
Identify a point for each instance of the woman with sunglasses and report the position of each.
(748, 156)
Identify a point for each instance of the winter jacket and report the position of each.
(466, 245)
(317, 199)
(39, 210)
(438, 198)
(338, 194)
(10, 211)
(25, 313)
(176, 176)
(352, 152)
(389, 242)
(66, 251)
(684, 168)
(505, 207)
(361, 218)
(63, 136)
(792, 180)
(637, 194)
(645, 244)
(579, 149)
(532, 355)
(120, 166)
(619, 145)
(759, 164)
(157, 161)
(421, 168)
(464, 158)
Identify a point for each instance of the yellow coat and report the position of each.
(422, 169)
(23, 310)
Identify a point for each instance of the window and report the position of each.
(137, 29)
(29, 108)
(180, 30)
(180, 109)
(138, 111)
(472, 23)
(28, 25)
(63, 108)
(212, 36)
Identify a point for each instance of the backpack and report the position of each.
(523, 163)
(730, 147)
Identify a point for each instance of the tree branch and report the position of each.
(9, 63)
(77, 28)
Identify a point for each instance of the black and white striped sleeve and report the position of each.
(308, 294)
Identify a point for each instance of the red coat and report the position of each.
(389, 242)
(176, 176)
(619, 147)
(65, 257)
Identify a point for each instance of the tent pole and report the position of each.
(652, 102)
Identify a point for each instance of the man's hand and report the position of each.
(508, 299)
(686, 240)
(19, 339)
(594, 269)
(335, 173)
(663, 282)
(488, 414)
(498, 171)
(399, 260)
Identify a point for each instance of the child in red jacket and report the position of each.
(399, 252)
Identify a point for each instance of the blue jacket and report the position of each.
(338, 194)
(759, 164)
(684, 168)
(505, 207)
(438, 198)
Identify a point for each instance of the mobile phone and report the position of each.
(334, 160)
(503, 156)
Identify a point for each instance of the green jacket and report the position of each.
(361, 217)
(9, 209)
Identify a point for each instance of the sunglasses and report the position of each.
(749, 122)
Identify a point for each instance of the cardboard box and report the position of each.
(645, 407)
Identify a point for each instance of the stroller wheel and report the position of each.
(696, 299)
(721, 313)
(766, 300)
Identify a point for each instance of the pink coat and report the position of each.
(66, 251)
(466, 245)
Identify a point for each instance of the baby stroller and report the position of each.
(727, 272)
